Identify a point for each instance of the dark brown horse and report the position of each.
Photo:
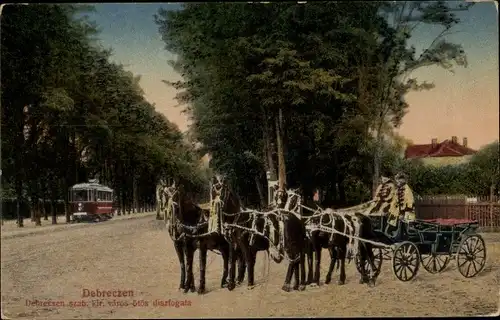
(252, 231)
(336, 243)
(187, 224)
(179, 212)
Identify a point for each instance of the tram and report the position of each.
(91, 201)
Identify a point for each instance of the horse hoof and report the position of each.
(302, 287)
(286, 288)
(313, 285)
(328, 280)
(193, 289)
(296, 288)
(371, 283)
(186, 290)
(201, 290)
(250, 287)
(223, 284)
(362, 281)
(341, 282)
(230, 286)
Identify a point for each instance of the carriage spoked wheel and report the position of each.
(435, 263)
(406, 261)
(471, 255)
(377, 261)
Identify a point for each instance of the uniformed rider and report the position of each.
(383, 200)
(405, 199)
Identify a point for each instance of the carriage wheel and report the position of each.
(434, 263)
(378, 257)
(471, 255)
(406, 261)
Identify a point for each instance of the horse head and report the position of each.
(221, 192)
(293, 200)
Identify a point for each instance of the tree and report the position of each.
(69, 114)
(314, 81)
(483, 170)
(389, 61)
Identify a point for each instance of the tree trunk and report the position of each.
(281, 155)
(43, 193)
(262, 197)
(53, 208)
(19, 167)
(44, 210)
(19, 199)
(377, 159)
(34, 210)
(134, 191)
(71, 174)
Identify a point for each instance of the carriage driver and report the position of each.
(404, 198)
(384, 195)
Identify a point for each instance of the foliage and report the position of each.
(474, 178)
(69, 114)
(338, 70)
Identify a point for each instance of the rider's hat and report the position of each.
(401, 176)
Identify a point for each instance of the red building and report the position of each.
(446, 152)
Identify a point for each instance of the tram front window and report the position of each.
(80, 195)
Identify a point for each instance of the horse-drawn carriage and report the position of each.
(433, 244)
(364, 235)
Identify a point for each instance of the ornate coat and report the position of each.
(405, 205)
(383, 201)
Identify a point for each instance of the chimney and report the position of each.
(465, 142)
(434, 142)
(454, 139)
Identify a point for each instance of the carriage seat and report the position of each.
(403, 231)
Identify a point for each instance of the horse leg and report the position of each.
(341, 255)
(245, 250)
(225, 260)
(362, 261)
(302, 263)
(333, 258)
(203, 264)
(296, 271)
(179, 249)
(189, 260)
(232, 271)
(317, 251)
(242, 266)
(288, 278)
(371, 258)
(251, 267)
(309, 263)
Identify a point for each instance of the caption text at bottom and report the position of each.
(113, 303)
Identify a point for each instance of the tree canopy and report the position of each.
(307, 92)
(69, 114)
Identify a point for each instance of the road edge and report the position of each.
(80, 225)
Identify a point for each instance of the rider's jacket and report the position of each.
(405, 202)
(383, 201)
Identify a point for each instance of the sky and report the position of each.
(464, 103)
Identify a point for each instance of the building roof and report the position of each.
(447, 148)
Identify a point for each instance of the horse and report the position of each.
(179, 212)
(293, 203)
(191, 222)
(281, 231)
(337, 243)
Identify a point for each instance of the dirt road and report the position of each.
(137, 258)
